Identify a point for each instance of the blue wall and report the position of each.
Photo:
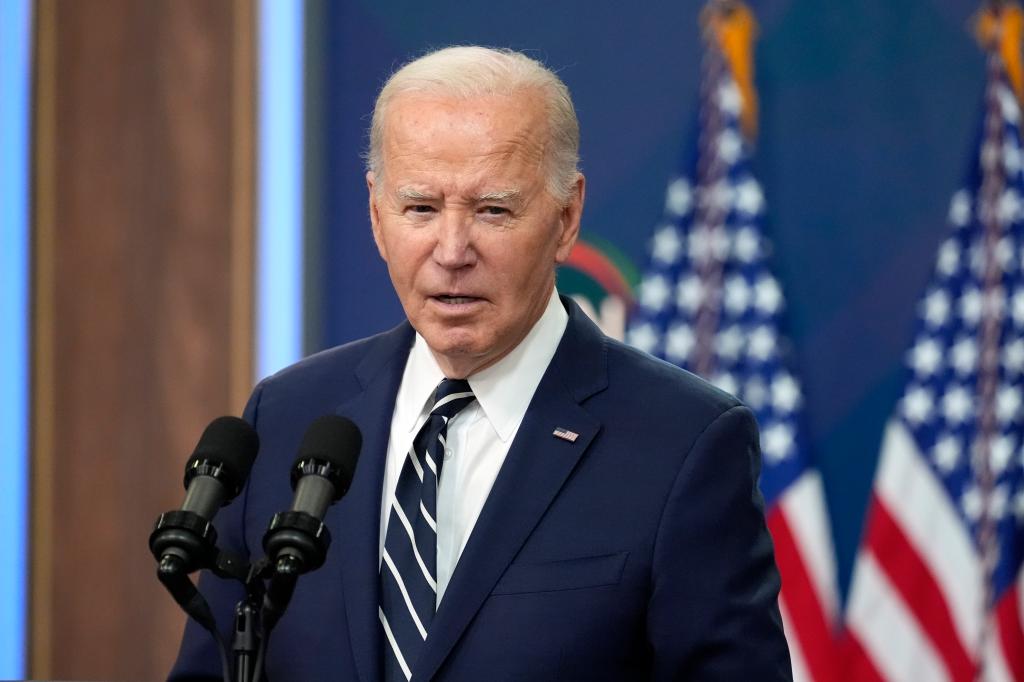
(868, 114)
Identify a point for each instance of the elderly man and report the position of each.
(534, 501)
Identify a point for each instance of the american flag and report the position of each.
(937, 587)
(709, 303)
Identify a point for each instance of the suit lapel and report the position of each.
(535, 469)
(357, 527)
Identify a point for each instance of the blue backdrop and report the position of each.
(868, 111)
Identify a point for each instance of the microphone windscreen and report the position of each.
(334, 439)
(231, 443)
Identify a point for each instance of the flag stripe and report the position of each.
(889, 634)
(916, 583)
(1011, 638)
(804, 505)
(918, 505)
(994, 667)
(857, 664)
(797, 660)
(808, 618)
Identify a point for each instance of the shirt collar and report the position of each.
(503, 390)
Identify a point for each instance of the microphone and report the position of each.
(184, 540)
(297, 540)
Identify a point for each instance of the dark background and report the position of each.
(868, 110)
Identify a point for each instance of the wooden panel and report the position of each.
(143, 306)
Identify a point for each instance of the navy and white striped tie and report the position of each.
(408, 569)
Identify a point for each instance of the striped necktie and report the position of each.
(408, 569)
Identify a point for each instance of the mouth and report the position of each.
(450, 299)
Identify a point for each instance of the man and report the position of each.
(534, 501)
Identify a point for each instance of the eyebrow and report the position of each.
(500, 195)
(412, 194)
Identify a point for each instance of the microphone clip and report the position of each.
(183, 542)
(296, 542)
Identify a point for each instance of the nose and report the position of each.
(454, 247)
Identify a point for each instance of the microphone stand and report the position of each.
(248, 637)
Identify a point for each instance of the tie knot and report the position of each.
(451, 396)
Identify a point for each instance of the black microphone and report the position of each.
(297, 540)
(184, 540)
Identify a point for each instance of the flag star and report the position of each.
(777, 441)
(761, 344)
(947, 453)
(1004, 255)
(667, 245)
(971, 306)
(1008, 104)
(729, 98)
(726, 382)
(976, 259)
(917, 405)
(971, 503)
(936, 308)
(747, 245)
(767, 295)
(1001, 453)
(655, 292)
(785, 392)
(1009, 206)
(1018, 506)
(1013, 357)
(957, 405)
(1011, 157)
(926, 357)
(964, 356)
(644, 337)
(737, 294)
(678, 197)
(679, 342)
(1008, 403)
(729, 343)
(749, 198)
(1017, 307)
(690, 293)
(960, 208)
(755, 393)
(949, 258)
(729, 146)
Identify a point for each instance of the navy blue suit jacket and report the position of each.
(639, 551)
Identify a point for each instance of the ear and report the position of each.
(375, 215)
(569, 223)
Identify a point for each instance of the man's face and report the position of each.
(463, 218)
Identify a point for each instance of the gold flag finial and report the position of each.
(732, 26)
(999, 27)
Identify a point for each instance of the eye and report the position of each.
(420, 208)
(494, 210)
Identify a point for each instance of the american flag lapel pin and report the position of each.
(565, 434)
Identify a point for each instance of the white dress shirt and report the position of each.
(479, 436)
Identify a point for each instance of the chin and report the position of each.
(453, 344)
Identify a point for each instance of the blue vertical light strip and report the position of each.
(15, 69)
(279, 197)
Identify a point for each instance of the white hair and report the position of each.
(472, 71)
